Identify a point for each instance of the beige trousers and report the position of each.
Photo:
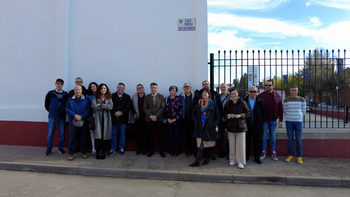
(237, 147)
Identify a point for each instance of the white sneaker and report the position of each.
(232, 163)
(240, 166)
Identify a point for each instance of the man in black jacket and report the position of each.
(120, 116)
(198, 93)
(255, 123)
(221, 101)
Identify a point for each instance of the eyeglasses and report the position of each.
(253, 91)
(268, 85)
(59, 83)
(78, 81)
(187, 86)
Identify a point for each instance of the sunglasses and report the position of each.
(268, 85)
(253, 91)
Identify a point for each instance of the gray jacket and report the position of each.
(99, 112)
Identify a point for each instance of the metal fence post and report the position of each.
(211, 71)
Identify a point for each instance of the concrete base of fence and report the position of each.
(329, 143)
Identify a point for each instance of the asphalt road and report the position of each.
(14, 183)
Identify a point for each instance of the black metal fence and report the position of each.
(323, 78)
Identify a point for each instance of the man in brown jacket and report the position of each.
(154, 107)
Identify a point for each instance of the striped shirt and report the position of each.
(294, 108)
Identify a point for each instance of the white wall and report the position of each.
(107, 41)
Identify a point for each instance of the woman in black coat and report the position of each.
(206, 117)
(236, 111)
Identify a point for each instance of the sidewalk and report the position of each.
(314, 171)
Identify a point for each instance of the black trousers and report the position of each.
(223, 136)
(141, 134)
(190, 141)
(152, 128)
(256, 136)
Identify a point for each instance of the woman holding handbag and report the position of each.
(102, 105)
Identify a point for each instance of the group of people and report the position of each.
(197, 114)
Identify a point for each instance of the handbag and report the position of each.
(91, 123)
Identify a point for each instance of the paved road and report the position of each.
(28, 184)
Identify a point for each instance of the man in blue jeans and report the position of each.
(120, 116)
(274, 109)
(294, 108)
(55, 102)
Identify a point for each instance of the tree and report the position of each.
(241, 85)
(323, 78)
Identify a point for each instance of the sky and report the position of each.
(278, 25)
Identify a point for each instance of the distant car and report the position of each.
(324, 105)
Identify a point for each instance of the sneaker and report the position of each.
(122, 152)
(263, 155)
(61, 151)
(93, 152)
(70, 157)
(274, 156)
(289, 158)
(232, 163)
(111, 152)
(300, 160)
(48, 152)
(240, 166)
(84, 156)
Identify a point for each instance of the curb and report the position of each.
(177, 175)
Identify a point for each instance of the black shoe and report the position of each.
(61, 151)
(258, 161)
(206, 161)
(138, 152)
(103, 155)
(48, 152)
(222, 154)
(144, 152)
(162, 154)
(149, 154)
(196, 163)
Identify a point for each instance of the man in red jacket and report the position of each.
(274, 109)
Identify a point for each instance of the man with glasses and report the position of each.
(255, 123)
(55, 103)
(78, 81)
(187, 122)
(198, 93)
(274, 109)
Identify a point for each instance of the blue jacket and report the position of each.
(77, 106)
(53, 106)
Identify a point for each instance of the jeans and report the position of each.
(271, 126)
(173, 138)
(296, 127)
(74, 132)
(118, 128)
(52, 127)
